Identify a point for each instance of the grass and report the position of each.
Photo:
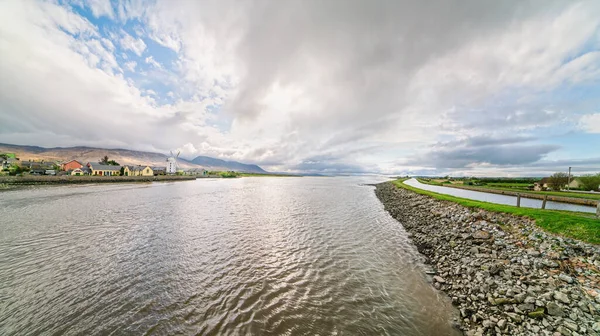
(577, 225)
(521, 188)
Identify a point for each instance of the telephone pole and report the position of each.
(569, 179)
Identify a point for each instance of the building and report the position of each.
(543, 184)
(138, 171)
(159, 170)
(80, 171)
(71, 165)
(6, 164)
(97, 169)
(575, 183)
(171, 165)
(195, 171)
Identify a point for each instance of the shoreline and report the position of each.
(503, 273)
(12, 182)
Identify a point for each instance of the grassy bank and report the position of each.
(581, 226)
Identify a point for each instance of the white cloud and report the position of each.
(319, 85)
(150, 60)
(131, 66)
(590, 123)
(101, 8)
(129, 42)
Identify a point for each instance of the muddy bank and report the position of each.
(12, 181)
(505, 275)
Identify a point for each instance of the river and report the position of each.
(499, 199)
(247, 256)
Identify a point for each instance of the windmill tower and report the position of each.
(172, 163)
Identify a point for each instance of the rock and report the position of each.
(516, 318)
(550, 263)
(481, 234)
(564, 331)
(526, 307)
(439, 279)
(565, 278)
(571, 325)
(538, 313)
(502, 301)
(502, 324)
(554, 309)
(562, 297)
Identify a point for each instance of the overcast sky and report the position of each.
(425, 87)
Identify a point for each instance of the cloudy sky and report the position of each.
(461, 87)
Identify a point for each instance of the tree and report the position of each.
(106, 161)
(590, 182)
(558, 180)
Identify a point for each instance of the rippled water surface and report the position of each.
(249, 256)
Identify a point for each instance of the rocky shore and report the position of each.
(504, 274)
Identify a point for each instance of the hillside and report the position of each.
(123, 156)
(206, 161)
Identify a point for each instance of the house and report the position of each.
(138, 171)
(575, 183)
(71, 165)
(97, 169)
(195, 171)
(38, 165)
(543, 184)
(159, 170)
(9, 162)
(80, 171)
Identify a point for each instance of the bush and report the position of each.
(590, 182)
(558, 180)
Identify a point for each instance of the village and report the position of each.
(13, 166)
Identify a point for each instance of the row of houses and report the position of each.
(544, 184)
(75, 168)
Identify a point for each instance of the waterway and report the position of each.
(247, 256)
(499, 199)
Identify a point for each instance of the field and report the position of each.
(581, 226)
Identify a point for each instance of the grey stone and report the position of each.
(571, 325)
(439, 279)
(562, 297)
(554, 309)
(502, 324)
(563, 331)
(481, 234)
(565, 278)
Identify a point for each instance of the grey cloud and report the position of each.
(482, 150)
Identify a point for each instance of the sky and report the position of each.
(470, 87)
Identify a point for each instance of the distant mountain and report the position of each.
(206, 161)
(122, 156)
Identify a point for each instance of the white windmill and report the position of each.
(172, 163)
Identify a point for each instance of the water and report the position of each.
(249, 256)
(499, 199)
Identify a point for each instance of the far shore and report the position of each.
(10, 182)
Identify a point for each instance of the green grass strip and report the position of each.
(577, 225)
